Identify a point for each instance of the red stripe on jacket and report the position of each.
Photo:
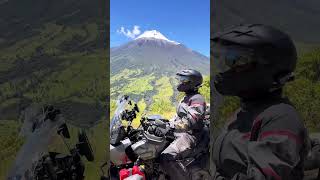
(287, 133)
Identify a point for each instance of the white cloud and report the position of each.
(130, 34)
(136, 30)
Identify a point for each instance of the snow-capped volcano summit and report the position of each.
(155, 35)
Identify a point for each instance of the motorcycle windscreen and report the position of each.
(35, 146)
(116, 119)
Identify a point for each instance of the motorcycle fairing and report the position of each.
(118, 153)
(34, 148)
(116, 119)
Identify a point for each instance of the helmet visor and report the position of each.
(182, 79)
(226, 58)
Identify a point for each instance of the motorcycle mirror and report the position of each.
(64, 131)
(51, 112)
(84, 146)
(136, 108)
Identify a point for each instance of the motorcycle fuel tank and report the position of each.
(149, 147)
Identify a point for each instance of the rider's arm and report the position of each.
(195, 112)
(277, 150)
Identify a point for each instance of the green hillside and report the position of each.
(10, 144)
(53, 52)
(42, 69)
(161, 98)
(145, 69)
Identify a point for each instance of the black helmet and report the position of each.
(189, 80)
(252, 59)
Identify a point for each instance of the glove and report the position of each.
(181, 126)
(170, 134)
(183, 111)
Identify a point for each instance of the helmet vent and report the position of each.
(240, 33)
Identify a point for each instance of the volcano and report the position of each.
(138, 66)
(152, 52)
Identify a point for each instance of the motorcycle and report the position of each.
(35, 162)
(140, 147)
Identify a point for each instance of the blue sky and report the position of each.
(184, 21)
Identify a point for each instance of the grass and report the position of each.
(27, 47)
(76, 76)
(125, 74)
(50, 38)
(205, 88)
(139, 85)
(80, 75)
(83, 78)
(10, 144)
(162, 100)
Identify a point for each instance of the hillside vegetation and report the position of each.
(54, 63)
(42, 69)
(164, 100)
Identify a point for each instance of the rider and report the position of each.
(265, 138)
(187, 124)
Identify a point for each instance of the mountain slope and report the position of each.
(156, 55)
(47, 48)
(137, 65)
(52, 52)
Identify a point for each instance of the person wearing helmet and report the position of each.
(265, 138)
(187, 124)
